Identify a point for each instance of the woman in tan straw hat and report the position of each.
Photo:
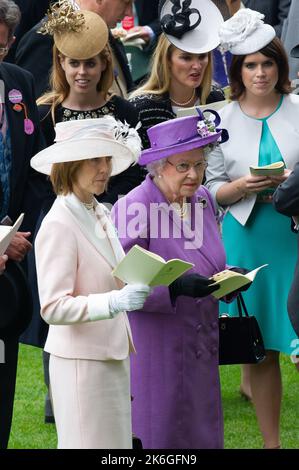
(89, 338)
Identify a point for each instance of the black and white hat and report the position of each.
(191, 25)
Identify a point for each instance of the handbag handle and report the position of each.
(241, 305)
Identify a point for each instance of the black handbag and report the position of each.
(240, 338)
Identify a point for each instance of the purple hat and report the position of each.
(182, 134)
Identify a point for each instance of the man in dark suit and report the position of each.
(286, 201)
(34, 52)
(275, 11)
(148, 19)
(21, 190)
(32, 11)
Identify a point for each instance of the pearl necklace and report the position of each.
(89, 205)
(181, 210)
(187, 102)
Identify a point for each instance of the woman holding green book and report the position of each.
(262, 122)
(175, 378)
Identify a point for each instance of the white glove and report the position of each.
(130, 297)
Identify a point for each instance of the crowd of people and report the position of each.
(99, 164)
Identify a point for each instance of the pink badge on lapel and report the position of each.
(15, 96)
(28, 126)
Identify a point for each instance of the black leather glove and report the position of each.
(191, 285)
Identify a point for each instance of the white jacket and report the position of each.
(231, 160)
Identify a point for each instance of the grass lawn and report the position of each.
(30, 432)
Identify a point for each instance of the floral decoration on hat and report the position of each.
(62, 17)
(128, 136)
(245, 32)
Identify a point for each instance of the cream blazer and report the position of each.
(231, 160)
(75, 254)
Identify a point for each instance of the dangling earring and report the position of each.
(159, 176)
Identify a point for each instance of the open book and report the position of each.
(230, 281)
(143, 266)
(7, 233)
(275, 169)
(216, 106)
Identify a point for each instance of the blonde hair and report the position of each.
(59, 86)
(158, 82)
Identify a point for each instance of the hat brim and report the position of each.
(83, 149)
(203, 38)
(295, 52)
(151, 155)
(255, 42)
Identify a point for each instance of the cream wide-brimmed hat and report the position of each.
(191, 26)
(245, 32)
(84, 139)
(77, 34)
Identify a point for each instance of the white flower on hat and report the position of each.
(128, 136)
(241, 25)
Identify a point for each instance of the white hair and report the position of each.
(153, 167)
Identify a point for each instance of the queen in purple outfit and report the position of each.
(175, 380)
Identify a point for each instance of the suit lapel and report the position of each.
(16, 128)
(120, 56)
(100, 233)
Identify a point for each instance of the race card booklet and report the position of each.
(7, 232)
(274, 169)
(144, 267)
(230, 281)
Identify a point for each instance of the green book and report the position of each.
(274, 169)
(144, 267)
(230, 281)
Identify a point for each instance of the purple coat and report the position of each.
(175, 377)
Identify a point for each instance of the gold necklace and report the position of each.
(187, 102)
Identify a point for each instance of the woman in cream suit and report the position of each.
(76, 249)
(262, 122)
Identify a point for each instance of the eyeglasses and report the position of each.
(3, 50)
(184, 167)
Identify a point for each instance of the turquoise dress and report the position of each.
(266, 238)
